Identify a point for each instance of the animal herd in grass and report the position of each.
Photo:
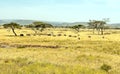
(40, 27)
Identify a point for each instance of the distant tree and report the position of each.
(107, 27)
(12, 25)
(78, 27)
(98, 25)
(39, 26)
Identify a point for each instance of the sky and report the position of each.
(61, 10)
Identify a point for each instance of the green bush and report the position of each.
(105, 67)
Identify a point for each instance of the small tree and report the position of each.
(98, 25)
(39, 26)
(12, 25)
(77, 27)
(105, 67)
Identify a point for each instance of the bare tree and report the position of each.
(97, 25)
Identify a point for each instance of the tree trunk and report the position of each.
(93, 30)
(35, 32)
(101, 31)
(13, 31)
(98, 31)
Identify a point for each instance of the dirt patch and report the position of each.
(43, 46)
(5, 45)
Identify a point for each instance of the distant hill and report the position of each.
(26, 22)
(22, 22)
(115, 25)
(75, 23)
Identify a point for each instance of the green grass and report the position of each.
(23, 67)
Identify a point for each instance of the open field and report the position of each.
(68, 53)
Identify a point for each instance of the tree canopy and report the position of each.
(12, 25)
(39, 26)
(98, 25)
(77, 27)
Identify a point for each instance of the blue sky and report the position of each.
(60, 10)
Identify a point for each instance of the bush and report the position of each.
(54, 35)
(89, 36)
(75, 36)
(21, 34)
(78, 38)
(70, 35)
(105, 67)
(65, 35)
(48, 34)
(59, 34)
(21, 47)
(28, 35)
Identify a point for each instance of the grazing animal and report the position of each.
(70, 35)
(78, 38)
(89, 36)
(54, 35)
(75, 36)
(103, 37)
(59, 35)
(48, 34)
(65, 35)
(21, 34)
(107, 33)
(27, 34)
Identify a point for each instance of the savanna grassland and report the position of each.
(64, 52)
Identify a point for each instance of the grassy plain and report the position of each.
(80, 53)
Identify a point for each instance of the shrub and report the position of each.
(75, 36)
(89, 36)
(59, 35)
(54, 35)
(65, 35)
(78, 38)
(21, 34)
(107, 33)
(105, 67)
(48, 34)
(103, 37)
(21, 47)
(27, 34)
(70, 35)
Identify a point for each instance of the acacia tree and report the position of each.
(39, 26)
(12, 25)
(78, 27)
(98, 25)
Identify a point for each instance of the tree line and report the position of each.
(40, 26)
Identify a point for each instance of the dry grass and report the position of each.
(84, 56)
